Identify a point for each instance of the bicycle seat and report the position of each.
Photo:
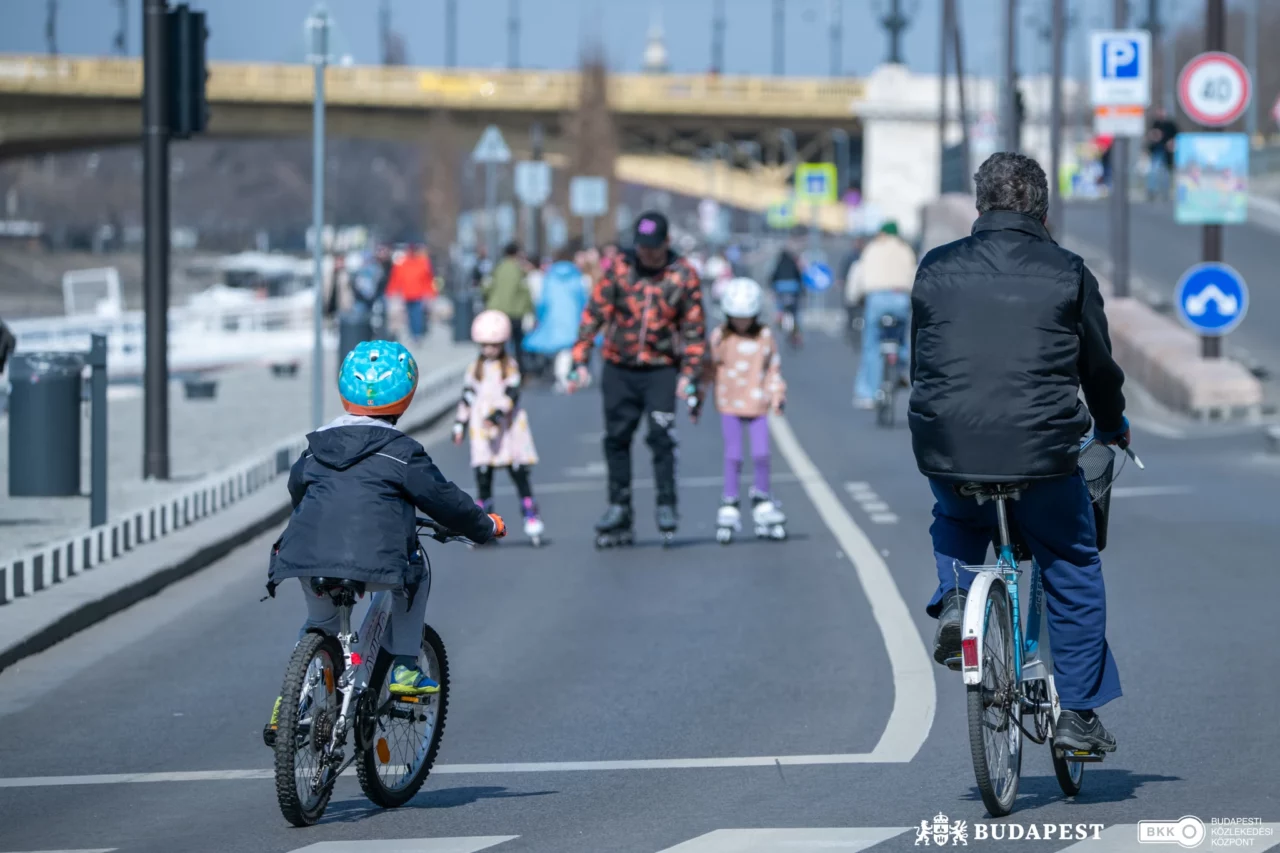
(990, 491)
(334, 587)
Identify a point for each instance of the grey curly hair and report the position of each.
(1008, 181)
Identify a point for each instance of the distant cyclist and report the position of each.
(788, 290)
(1007, 329)
(881, 280)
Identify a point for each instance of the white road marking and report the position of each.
(850, 839)
(589, 485)
(591, 469)
(914, 693)
(459, 844)
(858, 486)
(94, 850)
(1156, 427)
(883, 518)
(874, 506)
(1148, 491)
(876, 509)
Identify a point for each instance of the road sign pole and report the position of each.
(491, 210)
(1120, 192)
(1215, 39)
(1058, 13)
(588, 232)
(535, 212)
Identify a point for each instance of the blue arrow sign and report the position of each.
(818, 276)
(1212, 298)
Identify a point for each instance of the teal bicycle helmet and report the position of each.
(378, 378)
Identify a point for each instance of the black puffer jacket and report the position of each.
(354, 495)
(1007, 328)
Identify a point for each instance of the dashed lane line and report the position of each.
(875, 508)
(850, 840)
(458, 844)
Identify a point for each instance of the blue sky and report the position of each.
(552, 30)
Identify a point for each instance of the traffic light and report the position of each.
(188, 108)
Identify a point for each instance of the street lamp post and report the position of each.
(318, 27)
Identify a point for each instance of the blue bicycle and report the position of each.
(1008, 672)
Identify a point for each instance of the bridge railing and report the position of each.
(404, 87)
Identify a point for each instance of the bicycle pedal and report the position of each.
(1080, 755)
(409, 700)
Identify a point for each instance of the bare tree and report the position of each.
(593, 136)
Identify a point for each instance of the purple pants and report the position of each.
(731, 426)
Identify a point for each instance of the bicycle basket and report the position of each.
(1098, 464)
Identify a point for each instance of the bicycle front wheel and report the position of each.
(309, 709)
(995, 741)
(404, 732)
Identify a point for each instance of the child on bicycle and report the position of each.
(490, 410)
(746, 368)
(355, 492)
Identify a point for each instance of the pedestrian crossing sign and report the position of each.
(816, 183)
(781, 214)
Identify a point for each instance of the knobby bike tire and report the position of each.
(1070, 773)
(998, 608)
(292, 807)
(367, 767)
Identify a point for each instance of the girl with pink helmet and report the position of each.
(499, 427)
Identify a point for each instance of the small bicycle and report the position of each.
(336, 688)
(893, 334)
(1009, 673)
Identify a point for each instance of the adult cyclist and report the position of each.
(1007, 329)
(788, 290)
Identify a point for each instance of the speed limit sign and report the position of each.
(1214, 89)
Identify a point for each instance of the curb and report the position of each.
(83, 614)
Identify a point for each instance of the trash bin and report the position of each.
(44, 424)
(353, 327)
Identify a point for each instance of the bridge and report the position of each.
(48, 103)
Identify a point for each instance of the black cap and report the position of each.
(651, 230)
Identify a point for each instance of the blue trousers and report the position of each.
(1055, 518)
(871, 370)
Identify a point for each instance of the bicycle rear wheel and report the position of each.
(309, 708)
(995, 741)
(404, 733)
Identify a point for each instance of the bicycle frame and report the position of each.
(1031, 658)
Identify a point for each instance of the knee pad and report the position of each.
(662, 430)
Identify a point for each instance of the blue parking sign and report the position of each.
(1119, 58)
(1120, 68)
(1211, 298)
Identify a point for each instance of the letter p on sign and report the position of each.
(1120, 58)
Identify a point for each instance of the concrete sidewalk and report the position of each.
(253, 410)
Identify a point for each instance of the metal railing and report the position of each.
(419, 88)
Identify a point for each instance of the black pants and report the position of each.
(484, 482)
(629, 393)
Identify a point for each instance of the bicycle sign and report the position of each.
(1214, 89)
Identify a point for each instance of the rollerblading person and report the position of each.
(768, 518)
(648, 303)
(615, 527)
(728, 521)
(746, 370)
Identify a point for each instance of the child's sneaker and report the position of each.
(410, 681)
(269, 730)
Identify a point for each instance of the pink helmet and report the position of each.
(491, 327)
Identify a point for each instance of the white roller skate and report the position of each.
(533, 526)
(768, 517)
(728, 521)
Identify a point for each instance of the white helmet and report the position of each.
(742, 297)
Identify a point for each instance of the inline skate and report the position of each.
(533, 526)
(728, 521)
(615, 527)
(668, 521)
(770, 522)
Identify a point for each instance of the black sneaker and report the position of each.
(946, 642)
(1077, 734)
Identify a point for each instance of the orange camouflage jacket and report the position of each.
(646, 321)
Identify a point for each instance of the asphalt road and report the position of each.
(812, 651)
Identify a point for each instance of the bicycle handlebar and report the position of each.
(439, 532)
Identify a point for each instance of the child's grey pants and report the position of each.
(403, 636)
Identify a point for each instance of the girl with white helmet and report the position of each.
(746, 368)
(490, 410)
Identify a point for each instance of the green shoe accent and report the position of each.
(411, 682)
(269, 730)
